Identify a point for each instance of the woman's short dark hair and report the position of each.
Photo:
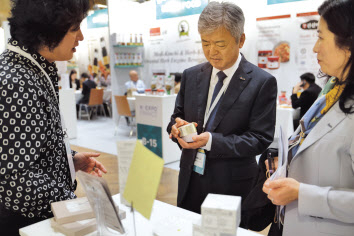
(309, 77)
(339, 16)
(37, 23)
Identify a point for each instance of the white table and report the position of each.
(131, 102)
(284, 118)
(165, 220)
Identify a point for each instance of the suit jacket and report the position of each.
(324, 166)
(306, 99)
(86, 88)
(243, 126)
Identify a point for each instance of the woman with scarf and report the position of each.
(318, 193)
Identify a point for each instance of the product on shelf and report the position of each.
(169, 82)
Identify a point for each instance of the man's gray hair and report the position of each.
(224, 14)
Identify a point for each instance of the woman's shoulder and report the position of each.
(14, 70)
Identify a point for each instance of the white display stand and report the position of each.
(153, 113)
(165, 220)
(284, 119)
(68, 109)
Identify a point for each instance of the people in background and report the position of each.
(36, 168)
(178, 78)
(233, 104)
(308, 96)
(73, 79)
(135, 84)
(318, 193)
(87, 85)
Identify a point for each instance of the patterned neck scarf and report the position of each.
(327, 98)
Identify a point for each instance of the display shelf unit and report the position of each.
(128, 66)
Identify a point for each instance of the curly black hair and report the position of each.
(37, 23)
(339, 17)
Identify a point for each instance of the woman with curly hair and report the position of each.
(37, 166)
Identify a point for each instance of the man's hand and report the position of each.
(297, 87)
(199, 141)
(85, 161)
(282, 191)
(179, 122)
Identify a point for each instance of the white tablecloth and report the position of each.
(284, 119)
(165, 220)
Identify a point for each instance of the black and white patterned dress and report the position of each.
(34, 169)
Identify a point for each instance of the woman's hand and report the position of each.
(275, 163)
(282, 191)
(85, 161)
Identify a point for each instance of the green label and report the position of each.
(151, 137)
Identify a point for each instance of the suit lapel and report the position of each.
(203, 83)
(237, 84)
(325, 125)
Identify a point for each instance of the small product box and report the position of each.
(79, 228)
(72, 210)
(221, 213)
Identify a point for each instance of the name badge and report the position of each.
(199, 163)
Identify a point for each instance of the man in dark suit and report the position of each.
(233, 104)
(307, 97)
(87, 85)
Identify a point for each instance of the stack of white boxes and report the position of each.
(75, 217)
(221, 215)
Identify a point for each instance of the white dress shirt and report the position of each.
(213, 81)
(138, 85)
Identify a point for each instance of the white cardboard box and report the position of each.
(80, 228)
(72, 210)
(221, 213)
(199, 230)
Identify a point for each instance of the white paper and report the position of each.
(125, 155)
(282, 156)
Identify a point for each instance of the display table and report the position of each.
(153, 113)
(131, 102)
(165, 220)
(285, 116)
(68, 109)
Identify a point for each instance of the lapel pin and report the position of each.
(241, 78)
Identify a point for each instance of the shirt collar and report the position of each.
(48, 67)
(230, 71)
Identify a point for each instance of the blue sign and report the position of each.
(175, 8)
(98, 19)
(151, 137)
(270, 2)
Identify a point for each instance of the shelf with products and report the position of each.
(128, 58)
